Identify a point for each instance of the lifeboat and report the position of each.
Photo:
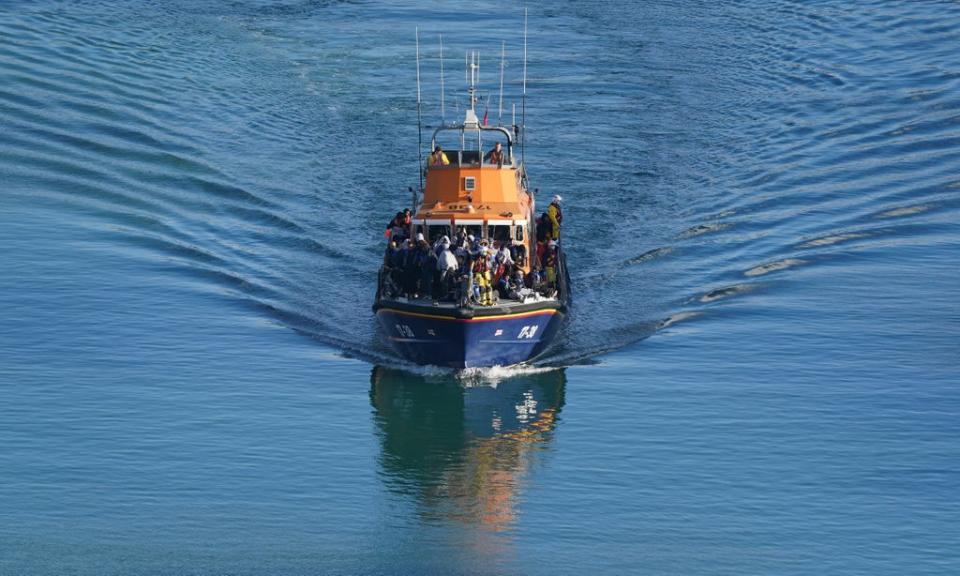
(455, 319)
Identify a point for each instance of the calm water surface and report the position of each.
(761, 374)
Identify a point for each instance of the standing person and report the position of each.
(427, 266)
(555, 214)
(447, 265)
(408, 255)
(550, 264)
(543, 234)
(396, 229)
(390, 273)
(495, 155)
(481, 278)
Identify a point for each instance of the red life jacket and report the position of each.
(480, 265)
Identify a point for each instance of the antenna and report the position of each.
(419, 123)
(443, 115)
(503, 55)
(523, 111)
(474, 69)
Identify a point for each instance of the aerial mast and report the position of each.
(419, 122)
(523, 109)
(443, 115)
(503, 55)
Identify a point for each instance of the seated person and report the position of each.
(438, 158)
(495, 156)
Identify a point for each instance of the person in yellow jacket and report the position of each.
(438, 158)
(550, 263)
(481, 278)
(556, 217)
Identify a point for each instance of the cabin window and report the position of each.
(499, 233)
(436, 231)
(470, 183)
(519, 234)
(475, 229)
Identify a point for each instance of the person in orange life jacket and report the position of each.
(438, 158)
(556, 217)
(543, 234)
(495, 155)
(550, 263)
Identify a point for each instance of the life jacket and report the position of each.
(480, 265)
(559, 212)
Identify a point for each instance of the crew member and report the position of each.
(495, 156)
(438, 158)
(481, 278)
(550, 263)
(556, 217)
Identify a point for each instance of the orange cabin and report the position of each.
(490, 201)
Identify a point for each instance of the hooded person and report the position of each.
(447, 266)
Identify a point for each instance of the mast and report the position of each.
(419, 124)
(443, 115)
(523, 111)
(503, 56)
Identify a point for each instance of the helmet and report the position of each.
(419, 236)
(470, 237)
(557, 198)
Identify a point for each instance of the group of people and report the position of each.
(496, 155)
(466, 270)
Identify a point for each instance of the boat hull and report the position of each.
(444, 339)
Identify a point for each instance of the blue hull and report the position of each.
(444, 340)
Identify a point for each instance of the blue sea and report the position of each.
(761, 369)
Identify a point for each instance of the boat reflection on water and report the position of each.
(463, 452)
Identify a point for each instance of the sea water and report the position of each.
(761, 369)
